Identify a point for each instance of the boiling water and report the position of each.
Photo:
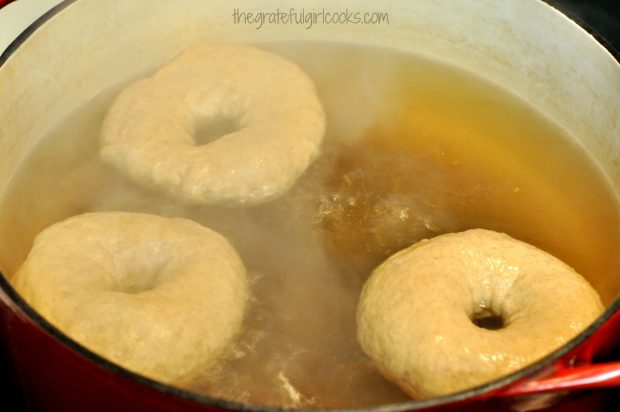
(414, 148)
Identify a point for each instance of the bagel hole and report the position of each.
(210, 129)
(140, 280)
(135, 288)
(486, 319)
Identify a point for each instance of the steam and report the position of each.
(308, 252)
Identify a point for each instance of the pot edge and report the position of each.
(24, 310)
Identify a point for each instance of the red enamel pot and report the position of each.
(82, 47)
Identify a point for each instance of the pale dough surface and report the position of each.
(160, 296)
(150, 131)
(414, 315)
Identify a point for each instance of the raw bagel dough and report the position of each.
(415, 313)
(150, 131)
(162, 297)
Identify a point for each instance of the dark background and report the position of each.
(599, 17)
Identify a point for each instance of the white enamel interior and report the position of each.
(524, 45)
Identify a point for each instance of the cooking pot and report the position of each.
(83, 47)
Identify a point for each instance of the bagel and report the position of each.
(162, 297)
(417, 310)
(150, 131)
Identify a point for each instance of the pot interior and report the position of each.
(61, 80)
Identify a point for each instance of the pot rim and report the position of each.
(469, 394)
